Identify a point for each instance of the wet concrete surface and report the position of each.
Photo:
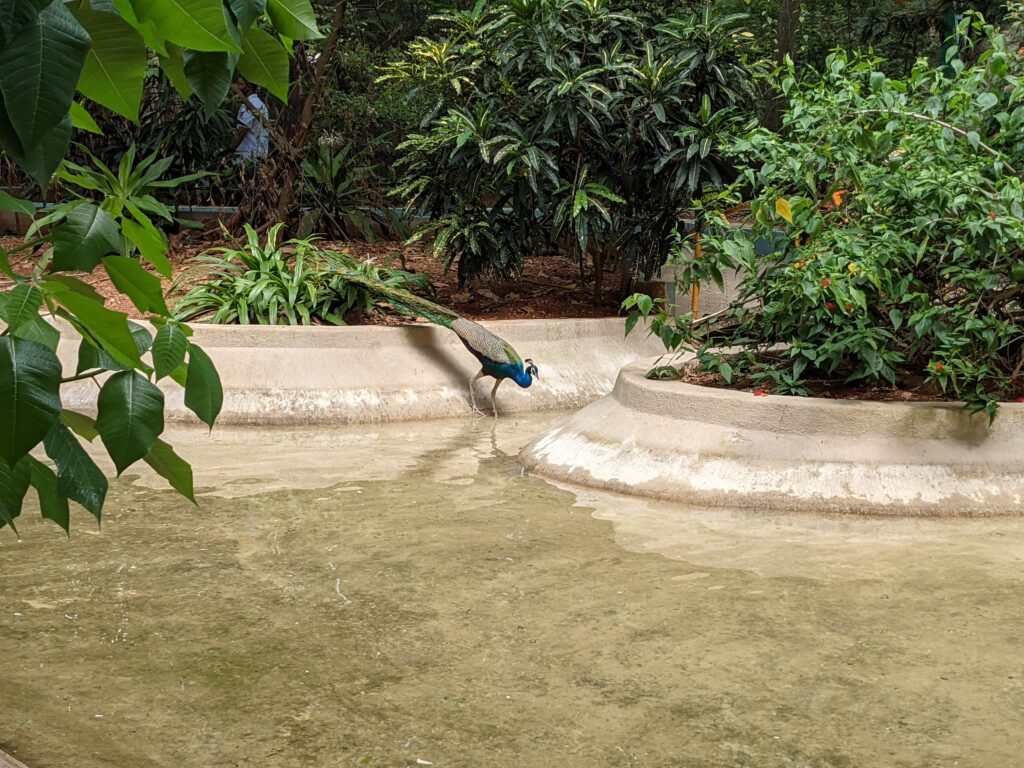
(403, 595)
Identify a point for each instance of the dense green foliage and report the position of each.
(574, 122)
(898, 207)
(337, 197)
(196, 138)
(898, 31)
(281, 283)
(48, 52)
(113, 200)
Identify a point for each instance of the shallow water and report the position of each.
(388, 595)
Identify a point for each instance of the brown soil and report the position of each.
(550, 286)
(909, 389)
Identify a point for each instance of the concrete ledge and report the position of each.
(6, 761)
(317, 375)
(715, 447)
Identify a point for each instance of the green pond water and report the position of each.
(404, 596)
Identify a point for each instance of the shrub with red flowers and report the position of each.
(916, 270)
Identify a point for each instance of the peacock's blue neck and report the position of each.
(523, 378)
(514, 371)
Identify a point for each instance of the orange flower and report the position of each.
(824, 283)
(830, 305)
(849, 307)
(938, 367)
(992, 215)
(837, 197)
(760, 393)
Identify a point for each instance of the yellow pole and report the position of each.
(695, 290)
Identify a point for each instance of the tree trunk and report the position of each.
(788, 24)
(277, 192)
(597, 256)
(305, 117)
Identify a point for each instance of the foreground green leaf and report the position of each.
(82, 425)
(173, 65)
(247, 11)
(204, 395)
(264, 61)
(13, 486)
(23, 303)
(109, 329)
(151, 244)
(174, 469)
(9, 203)
(147, 29)
(143, 288)
(41, 160)
(130, 417)
(169, 348)
(52, 503)
(38, 330)
(209, 75)
(116, 64)
(78, 477)
(39, 70)
(87, 234)
(199, 25)
(294, 19)
(82, 120)
(29, 396)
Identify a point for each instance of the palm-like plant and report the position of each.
(578, 122)
(124, 197)
(270, 282)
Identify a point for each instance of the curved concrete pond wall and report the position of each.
(321, 374)
(716, 447)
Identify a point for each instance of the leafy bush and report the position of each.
(900, 205)
(108, 200)
(579, 122)
(281, 283)
(196, 137)
(337, 196)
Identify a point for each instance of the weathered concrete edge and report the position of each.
(6, 761)
(712, 447)
(281, 375)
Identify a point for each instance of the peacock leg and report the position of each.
(494, 391)
(472, 395)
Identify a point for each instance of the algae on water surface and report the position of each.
(379, 596)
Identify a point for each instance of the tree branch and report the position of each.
(85, 375)
(942, 123)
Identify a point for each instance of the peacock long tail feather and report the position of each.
(478, 340)
(404, 301)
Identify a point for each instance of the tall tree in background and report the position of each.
(788, 24)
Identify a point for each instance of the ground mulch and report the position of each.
(908, 389)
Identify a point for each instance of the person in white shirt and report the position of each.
(251, 141)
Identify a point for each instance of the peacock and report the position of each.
(497, 357)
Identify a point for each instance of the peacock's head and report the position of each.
(531, 368)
